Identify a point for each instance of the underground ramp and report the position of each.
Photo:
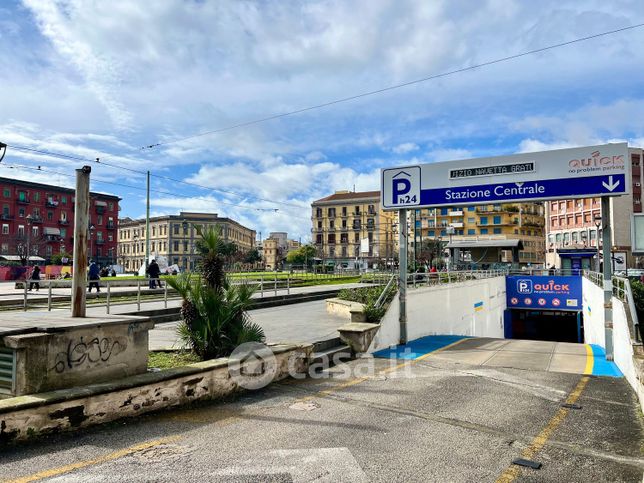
(536, 355)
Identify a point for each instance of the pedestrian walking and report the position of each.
(94, 276)
(35, 279)
(154, 272)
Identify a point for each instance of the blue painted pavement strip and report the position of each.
(602, 367)
(419, 347)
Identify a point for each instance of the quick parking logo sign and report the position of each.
(524, 286)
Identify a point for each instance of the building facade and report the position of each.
(275, 249)
(573, 227)
(174, 237)
(350, 229)
(39, 219)
(506, 221)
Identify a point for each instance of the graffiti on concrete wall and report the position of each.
(96, 350)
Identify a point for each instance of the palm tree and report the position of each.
(214, 311)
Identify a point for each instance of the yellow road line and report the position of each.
(96, 461)
(511, 473)
(590, 360)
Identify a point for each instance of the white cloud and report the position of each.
(405, 148)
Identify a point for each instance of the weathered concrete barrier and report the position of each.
(358, 336)
(62, 410)
(353, 311)
(51, 350)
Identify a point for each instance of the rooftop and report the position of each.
(350, 195)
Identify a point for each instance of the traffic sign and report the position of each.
(563, 173)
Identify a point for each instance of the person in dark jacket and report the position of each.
(94, 276)
(35, 279)
(153, 272)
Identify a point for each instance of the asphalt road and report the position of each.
(429, 420)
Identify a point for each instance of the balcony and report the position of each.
(53, 238)
(100, 242)
(110, 225)
(7, 216)
(456, 225)
(371, 226)
(63, 222)
(23, 201)
(485, 209)
(51, 204)
(36, 220)
(100, 210)
(455, 213)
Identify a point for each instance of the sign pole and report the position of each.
(608, 278)
(402, 282)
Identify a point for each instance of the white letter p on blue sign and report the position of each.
(401, 187)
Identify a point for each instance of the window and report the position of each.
(483, 220)
(154, 231)
(470, 208)
(443, 211)
(63, 232)
(331, 212)
(483, 231)
(5, 248)
(5, 229)
(471, 231)
(37, 196)
(471, 220)
(497, 220)
(443, 232)
(497, 231)
(34, 231)
(110, 206)
(21, 231)
(5, 210)
(319, 224)
(331, 224)
(175, 228)
(21, 212)
(185, 246)
(431, 233)
(110, 237)
(49, 250)
(176, 246)
(99, 220)
(99, 235)
(7, 193)
(50, 215)
(63, 200)
(344, 211)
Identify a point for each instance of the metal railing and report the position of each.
(123, 292)
(383, 296)
(623, 291)
(415, 280)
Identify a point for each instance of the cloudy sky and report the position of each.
(98, 79)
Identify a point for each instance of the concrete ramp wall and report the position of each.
(474, 308)
(622, 343)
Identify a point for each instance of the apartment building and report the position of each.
(350, 229)
(39, 219)
(275, 249)
(174, 237)
(573, 227)
(485, 225)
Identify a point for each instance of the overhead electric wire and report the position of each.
(40, 169)
(132, 170)
(391, 88)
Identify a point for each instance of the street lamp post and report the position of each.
(29, 219)
(598, 222)
(450, 232)
(91, 247)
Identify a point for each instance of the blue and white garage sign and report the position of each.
(563, 173)
(543, 293)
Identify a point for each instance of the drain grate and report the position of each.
(7, 371)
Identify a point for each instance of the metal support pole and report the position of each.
(275, 286)
(261, 286)
(165, 295)
(49, 297)
(24, 304)
(608, 278)
(147, 225)
(81, 229)
(402, 282)
(107, 299)
(138, 295)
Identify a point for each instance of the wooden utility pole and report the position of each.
(81, 227)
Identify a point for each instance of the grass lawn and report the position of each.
(167, 360)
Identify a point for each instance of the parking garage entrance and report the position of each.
(544, 308)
